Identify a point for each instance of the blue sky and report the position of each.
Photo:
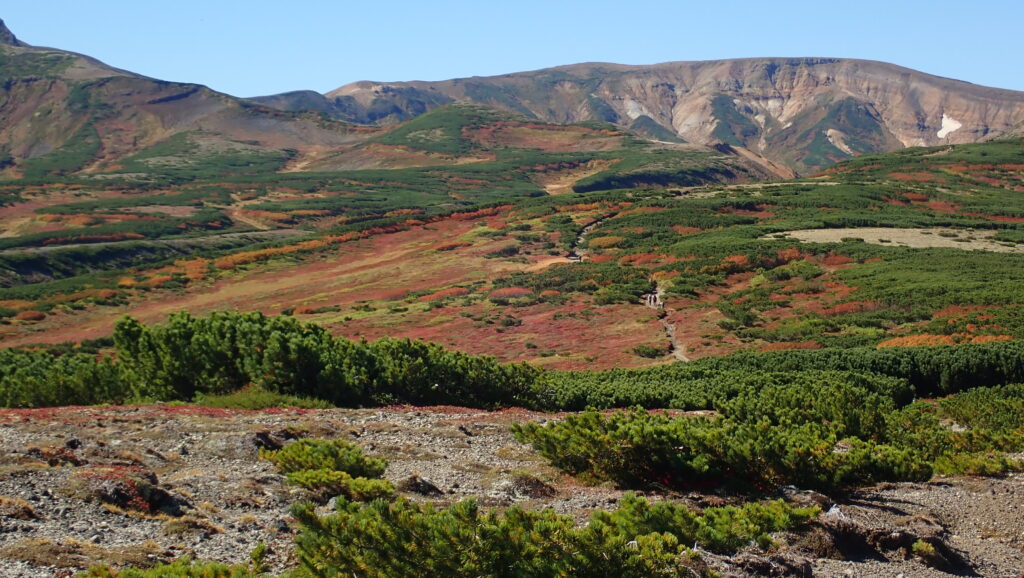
(256, 47)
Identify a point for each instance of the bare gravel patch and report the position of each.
(966, 239)
(225, 500)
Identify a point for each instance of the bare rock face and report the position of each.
(7, 37)
(804, 112)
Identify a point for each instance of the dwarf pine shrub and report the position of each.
(336, 455)
(328, 483)
(640, 539)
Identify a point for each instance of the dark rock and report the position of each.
(531, 487)
(264, 440)
(240, 446)
(56, 456)
(126, 487)
(806, 498)
(417, 485)
(758, 565)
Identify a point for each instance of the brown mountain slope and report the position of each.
(65, 114)
(804, 112)
(70, 112)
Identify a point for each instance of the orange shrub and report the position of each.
(470, 215)
(30, 316)
(917, 341)
(605, 242)
(452, 246)
(157, 281)
(787, 255)
(510, 293)
(958, 310)
(445, 293)
(787, 345)
(685, 230)
(990, 338)
(401, 212)
(832, 260)
(851, 307)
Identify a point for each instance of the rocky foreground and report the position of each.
(141, 484)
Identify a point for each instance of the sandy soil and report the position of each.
(966, 239)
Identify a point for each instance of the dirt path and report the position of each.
(235, 211)
(651, 300)
(655, 301)
(578, 253)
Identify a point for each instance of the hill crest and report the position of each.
(804, 112)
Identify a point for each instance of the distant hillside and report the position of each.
(64, 113)
(804, 112)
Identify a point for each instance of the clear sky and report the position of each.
(260, 47)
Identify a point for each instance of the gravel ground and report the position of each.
(220, 500)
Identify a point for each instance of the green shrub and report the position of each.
(327, 483)
(402, 538)
(336, 455)
(638, 449)
(649, 351)
(184, 568)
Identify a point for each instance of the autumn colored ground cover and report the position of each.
(726, 276)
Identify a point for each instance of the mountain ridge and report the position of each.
(7, 37)
(805, 112)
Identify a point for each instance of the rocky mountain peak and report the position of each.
(7, 37)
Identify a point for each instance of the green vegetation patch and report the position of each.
(402, 538)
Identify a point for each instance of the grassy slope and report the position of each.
(728, 282)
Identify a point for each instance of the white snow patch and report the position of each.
(836, 138)
(949, 124)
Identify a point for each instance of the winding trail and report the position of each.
(655, 301)
(578, 253)
(652, 300)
